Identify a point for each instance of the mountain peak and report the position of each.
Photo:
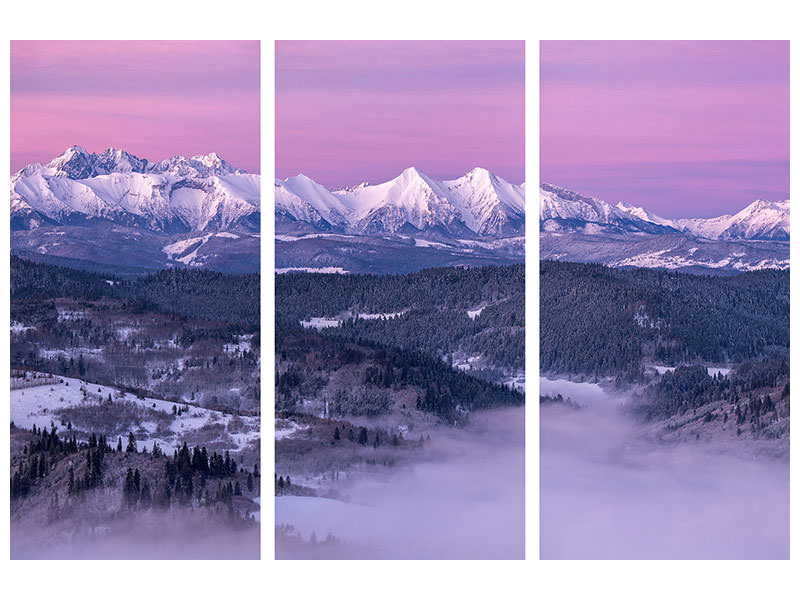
(69, 153)
(412, 171)
(480, 173)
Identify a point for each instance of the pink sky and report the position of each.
(348, 112)
(153, 99)
(680, 128)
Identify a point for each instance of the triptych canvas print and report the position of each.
(392, 370)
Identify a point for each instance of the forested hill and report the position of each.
(597, 320)
(300, 295)
(365, 377)
(442, 312)
(190, 293)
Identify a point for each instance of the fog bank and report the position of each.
(608, 492)
(467, 502)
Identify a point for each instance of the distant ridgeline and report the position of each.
(433, 309)
(189, 293)
(596, 320)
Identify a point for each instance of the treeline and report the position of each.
(187, 293)
(596, 320)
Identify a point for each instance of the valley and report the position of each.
(651, 401)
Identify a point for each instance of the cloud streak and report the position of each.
(348, 112)
(642, 108)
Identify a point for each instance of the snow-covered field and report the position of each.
(178, 250)
(328, 270)
(42, 405)
(320, 323)
(17, 328)
(466, 363)
(324, 322)
(285, 428)
(661, 369)
(475, 312)
(243, 344)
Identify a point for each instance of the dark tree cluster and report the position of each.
(599, 321)
(186, 477)
(689, 388)
(48, 449)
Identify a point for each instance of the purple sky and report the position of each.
(153, 99)
(348, 112)
(680, 128)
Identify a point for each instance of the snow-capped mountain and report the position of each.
(117, 210)
(202, 193)
(563, 210)
(302, 199)
(761, 220)
(577, 228)
(477, 204)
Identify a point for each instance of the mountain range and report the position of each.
(408, 223)
(479, 204)
(564, 210)
(115, 210)
(582, 229)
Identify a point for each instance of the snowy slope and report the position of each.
(410, 198)
(202, 193)
(761, 220)
(478, 203)
(304, 199)
(41, 405)
(561, 210)
(490, 205)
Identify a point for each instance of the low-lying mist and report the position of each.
(607, 492)
(150, 535)
(466, 502)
